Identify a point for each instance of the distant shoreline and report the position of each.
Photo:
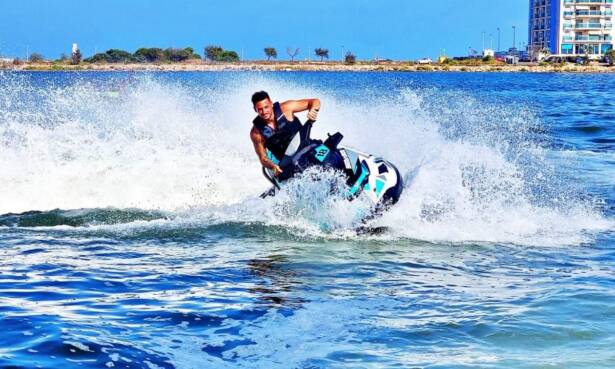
(263, 66)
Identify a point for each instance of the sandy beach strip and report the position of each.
(200, 66)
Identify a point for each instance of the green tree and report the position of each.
(611, 55)
(98, 58)
(292, 53)
(63, 58)
(585, 49)
(271, 52)
(178, 55)
(350, 58)
(112, 56)
(119, 56)
(149, 55)
(228, 56)
(191, 53)
(213, 53)
(322, 53)
(36, 58)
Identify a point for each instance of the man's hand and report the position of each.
(312, 114)
(276, 170)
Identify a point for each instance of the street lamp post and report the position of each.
(498, 38)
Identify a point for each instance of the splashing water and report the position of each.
(474, 171)
(138, 238)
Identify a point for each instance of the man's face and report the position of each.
(264, 109)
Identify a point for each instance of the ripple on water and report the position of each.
(209, 287)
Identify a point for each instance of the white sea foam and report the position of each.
(471, 171)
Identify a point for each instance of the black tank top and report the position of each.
(278, 139)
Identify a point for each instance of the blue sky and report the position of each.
(396, 29)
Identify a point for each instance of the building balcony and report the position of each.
(589, 38)
(592, 13)
(590, 26)
(588, 1)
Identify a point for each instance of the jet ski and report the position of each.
(366, 175)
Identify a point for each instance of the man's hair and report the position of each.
(258, 96)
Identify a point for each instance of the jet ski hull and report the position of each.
(366, 174)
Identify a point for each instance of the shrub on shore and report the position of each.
(350, 58)
(63, 58)
(111, 56)
(229, 56)
(218, 54)
(471, 62)
(149, 54)
(36, 58)
(144, 55)
(611, 57)
(179, 55)
(212, 52)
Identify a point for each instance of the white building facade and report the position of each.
(571, 27)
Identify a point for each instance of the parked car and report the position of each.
(555, 59)
(424, 61)
(579, 61)
(512, 59)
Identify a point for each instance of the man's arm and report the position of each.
(290, 107)
(259, 147)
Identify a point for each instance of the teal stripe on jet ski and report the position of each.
(273, 159)
(353, 190)
(379, 186)
(321, 152)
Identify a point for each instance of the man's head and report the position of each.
(262, 105)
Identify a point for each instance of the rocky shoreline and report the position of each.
(263, 66)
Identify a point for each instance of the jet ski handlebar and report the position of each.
(305, 133)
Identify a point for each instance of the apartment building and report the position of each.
(571, 27)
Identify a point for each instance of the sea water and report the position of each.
(133, 235)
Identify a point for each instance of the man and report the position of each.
(276, 125)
